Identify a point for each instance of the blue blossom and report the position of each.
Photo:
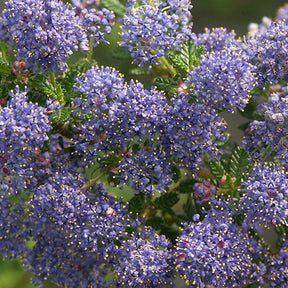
(145, 260)
(282, 13)
(265, 197)
(138, 132)
(45, 32)
(190, 130)
(216, 254)
(217, 39)
(98, 24)
(23, 131)
(267, 51)
(123, 125)
(82, 4)
(278, 268)
(223, 79)
(151, 30)
(267, 137)
(74, 231)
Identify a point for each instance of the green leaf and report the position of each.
(37, 97)
(40, 82)
(217, 169)
(239, 164)
(186, 186)
(188, 57)
(136, 147)
(168, 85)
(176, 173)
(4, 51)
(167, 200)
(4, 69)
(136, 204)
(115, 6)
(69, 81)
(170, 232)
(250, 110)
(189, 207)
(155, 222)
(61, 116)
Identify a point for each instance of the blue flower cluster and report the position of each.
(47, 32)
(23, 131)
(216, 254)
(152, 29)
(141, 132)
(217, 39)
(267, 138)
(278, 268)
(124, 126)
(267, 51)
(282, 13)
(146, 261)
(74, 233)
(24, 128)
(224, 78)
(265, 199)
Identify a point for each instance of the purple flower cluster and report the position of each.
(23, 130)
(145, 261)
(278, 268)
(223, 79)
(141, 131)
(267, 51)
(282, 13)
(152, 29)
(123, 124)
(216, 254)
(97, 24)
(191, 129)
(265, 199)
(217, 39)
(266, 137)
(74, 234)
(47, 32)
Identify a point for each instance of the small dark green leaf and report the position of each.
(37, 97)
(136, 147)
(61, 116)
(188, 57)
(167, 200)
(136, 204)
(240, 163)
(155, 222)
(168, 85)
(189, 207)
(176, 173)
(186, 186)
(250, 110)
(170, 232)
(217, 169)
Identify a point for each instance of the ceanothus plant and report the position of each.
(107, 182)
